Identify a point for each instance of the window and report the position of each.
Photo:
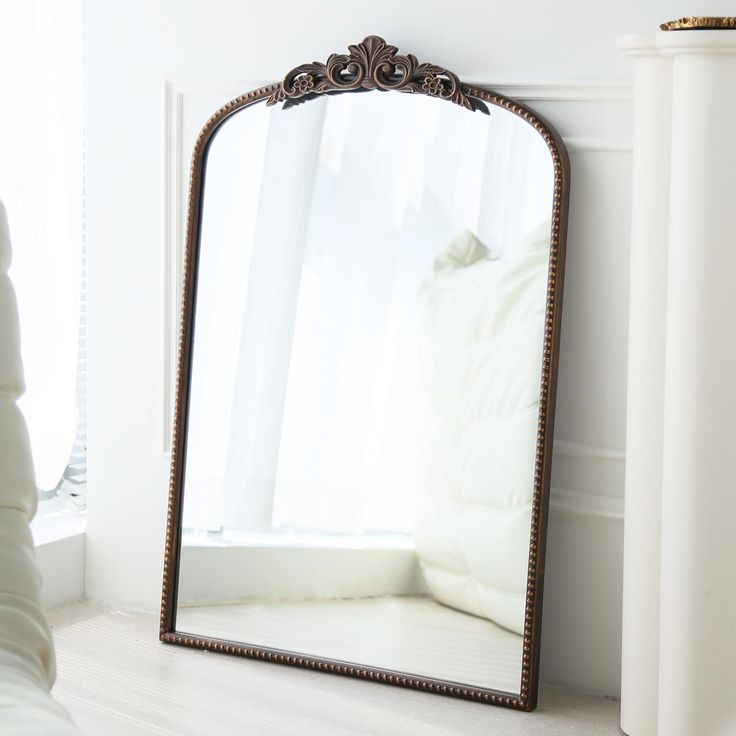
(41, 184)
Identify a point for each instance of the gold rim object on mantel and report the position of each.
(701, 23)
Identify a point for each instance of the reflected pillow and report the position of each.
(481, 332)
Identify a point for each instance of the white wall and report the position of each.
(559, 57)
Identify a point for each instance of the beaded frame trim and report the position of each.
(450, 89)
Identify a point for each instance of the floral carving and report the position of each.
(433, 86)
(304, 83)
(372, 64)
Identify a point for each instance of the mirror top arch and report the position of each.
(375, 65)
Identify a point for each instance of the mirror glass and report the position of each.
(366, 368)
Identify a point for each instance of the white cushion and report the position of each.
(27, 668)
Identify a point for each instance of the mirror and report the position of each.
(360, 472)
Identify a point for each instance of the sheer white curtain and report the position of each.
(41, 186)
(314, 430)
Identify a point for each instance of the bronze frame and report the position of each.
(374, 65)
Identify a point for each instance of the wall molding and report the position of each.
(597, 145)
(566, 448)
(584, 474)
(559, 90)
(593, 464)
(172, 252)
(587, 503)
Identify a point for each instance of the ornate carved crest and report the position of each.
(372, 64)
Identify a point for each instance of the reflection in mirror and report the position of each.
(365, 385)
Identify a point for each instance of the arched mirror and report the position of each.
(366, 383)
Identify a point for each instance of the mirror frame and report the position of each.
(373, 65)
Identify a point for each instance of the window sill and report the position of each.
(301, 540)
(55, 521)
(299, 566)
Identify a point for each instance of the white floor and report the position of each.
(410, 634)
(116, 679)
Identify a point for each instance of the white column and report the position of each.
(647, 317)
(697, 686)
(679, 636)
